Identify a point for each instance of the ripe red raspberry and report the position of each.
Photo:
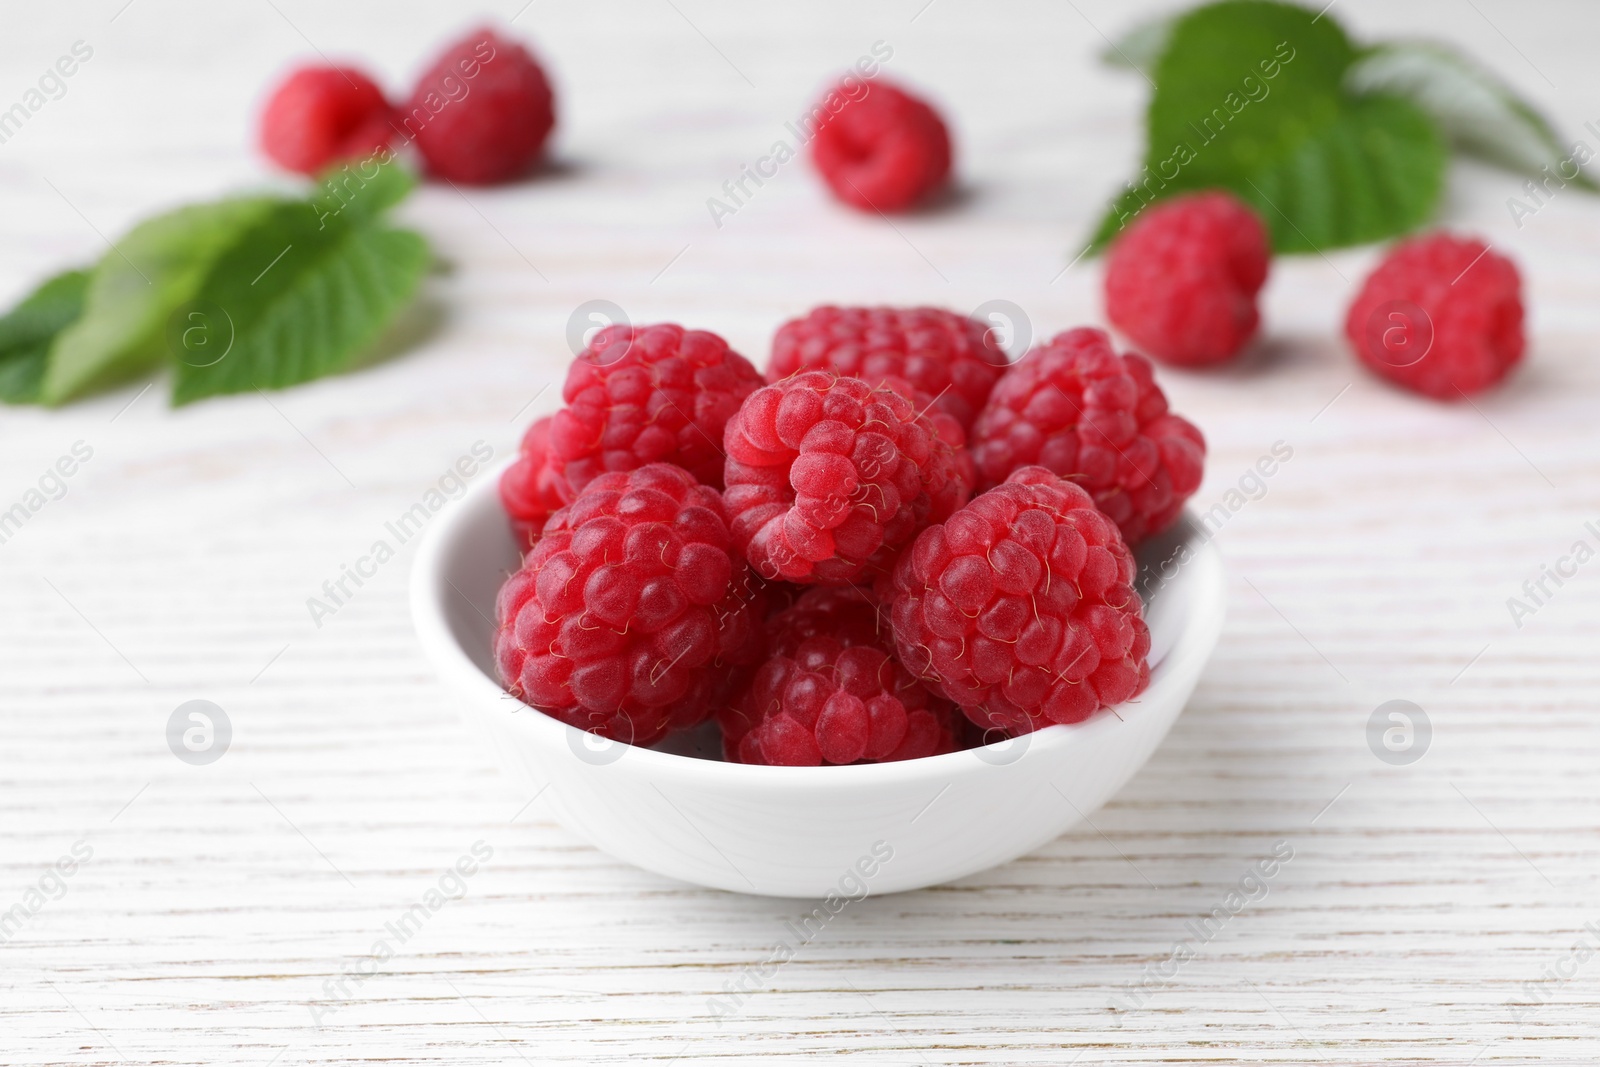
(1021, 607)
(631, 614)
(322, 115)
(532, 489)
(1441, 315)
(832, 692)
(878, 147)
(1181, 281)
(649, 394)
(1077, 408)
(952, 360)
(481, 113)
(842, 612)
(829, 477)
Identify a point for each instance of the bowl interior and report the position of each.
(474, 552)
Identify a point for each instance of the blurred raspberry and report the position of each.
(878, 147)
(1077, 408)
(831, 692)
(829, 477)
(1441, 315)
(1181, 280)
(649, 394)
(321, 115)
(532, 489)
(1021, 608)
(482, 112)
(950, 359)
(631, 616)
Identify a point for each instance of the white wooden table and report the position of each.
(219, 906)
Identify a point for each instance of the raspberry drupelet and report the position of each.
(882, 149)
(631, 616)
(482, 112)
(1441, 315)
(322, 115)
(649, 394)
(951, 359)
(1021, 609)
(832, 692)
(1077, 408)
(829, 477)
(532, 489)
(1181, 280)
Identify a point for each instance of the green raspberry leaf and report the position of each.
(1251, 97)
(365, 189)
(300, 295)
(27, 331)
(156, 293)
(133, 291)
(1374, 171)
(1480, 114)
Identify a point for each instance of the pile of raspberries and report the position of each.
(894, 544)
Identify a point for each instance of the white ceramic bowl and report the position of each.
(803, 831)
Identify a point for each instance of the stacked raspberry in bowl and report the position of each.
(893, 545)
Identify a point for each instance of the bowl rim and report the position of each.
(1178, 670)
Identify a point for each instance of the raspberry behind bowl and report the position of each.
(1181, 280)
(879, 148)
(797, 831)
(324, 114)
(1441, 315)
(481, 114)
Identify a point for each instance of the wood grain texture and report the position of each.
(220, 901)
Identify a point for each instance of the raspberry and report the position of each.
(832, 692)
(1077, 408)
(950, 359)
(828, 477)
(481, 113)
(1021, 609)
(841, 612)
(1441, 315)
(532, 489)
(1181, 282)
(649, 394)
(630, 616)
(321, 115)
(883, 150)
